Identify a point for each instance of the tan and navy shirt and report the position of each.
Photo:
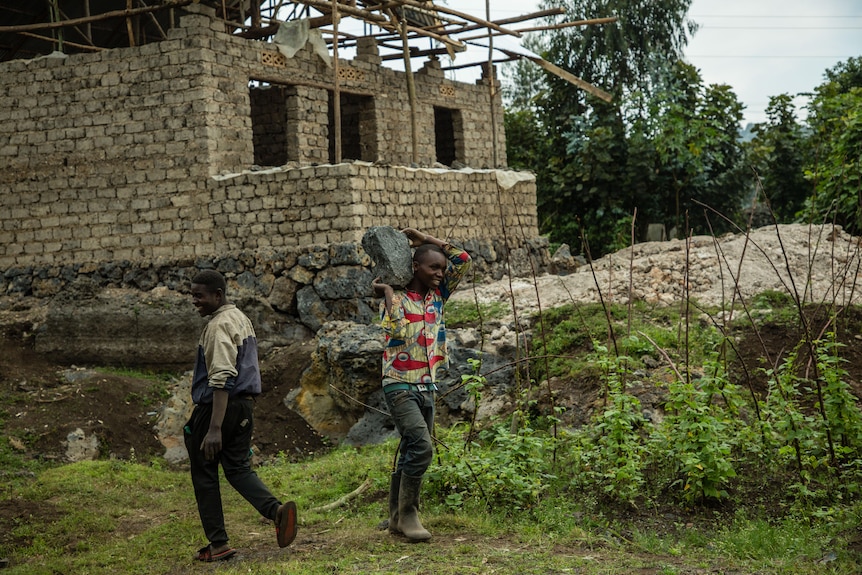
(227, 356)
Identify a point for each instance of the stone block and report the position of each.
(390, 251)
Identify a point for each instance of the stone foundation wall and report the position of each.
(99, 312)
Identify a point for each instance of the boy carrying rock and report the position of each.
(415, 349)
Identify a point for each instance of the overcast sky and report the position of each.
(761, 48)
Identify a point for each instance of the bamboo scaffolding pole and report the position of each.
(65, 42)
(54, 8)
(491, 86)
(569, 77)
(155, 21)
(336, 91)
(516, 19)
(88, 27)
(170, 4)
(129, 24)
(324, 6)
(471, 64)
(445, 10)
(411, 89)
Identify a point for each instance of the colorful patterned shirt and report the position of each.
(415, 330)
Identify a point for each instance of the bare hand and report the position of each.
(211, 445)
(380, 288)
(416, 237)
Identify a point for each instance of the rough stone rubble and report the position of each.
(820, 263)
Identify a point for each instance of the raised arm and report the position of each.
(385, 291)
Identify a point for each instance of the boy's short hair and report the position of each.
(424, 249)
(212, 280)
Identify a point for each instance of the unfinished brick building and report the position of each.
(203, 145)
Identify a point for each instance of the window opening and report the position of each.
(269, 124)
(448, 136)
(358, 128)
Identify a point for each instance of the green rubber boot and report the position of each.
(408, 510)
(394, 490)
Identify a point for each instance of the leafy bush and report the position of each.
(507, 470)
(611, 452)
(698, 434)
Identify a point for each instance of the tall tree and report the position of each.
(778, 153)
(835, 118)
(628, 54)
(699, 158)
(583, 169)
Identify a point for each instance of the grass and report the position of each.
(572, 330)
(114, 516)
(467, 313)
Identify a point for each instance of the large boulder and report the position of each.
(390, 251)
(345, 370)
(340, 394)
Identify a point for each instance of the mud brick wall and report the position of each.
(284, 207)
(144, 154)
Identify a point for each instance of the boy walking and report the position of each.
(225, 382)
(415, 349)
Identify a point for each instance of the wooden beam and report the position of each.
(336, 92)
(562, 25)
(411, 89)
(65, 42)
(255, 14)
(492, 84)
(96, 18)
(129, 24)
(572, 79)
(559, 26)
(463, 15)
(471, 64)
(285, 80)
(416, 53)
(325, 7)
(516, 19)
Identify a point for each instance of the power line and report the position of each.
(771, 16)
(705, 27)
(719, 56)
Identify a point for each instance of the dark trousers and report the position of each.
(413, 413)
(235, 459)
